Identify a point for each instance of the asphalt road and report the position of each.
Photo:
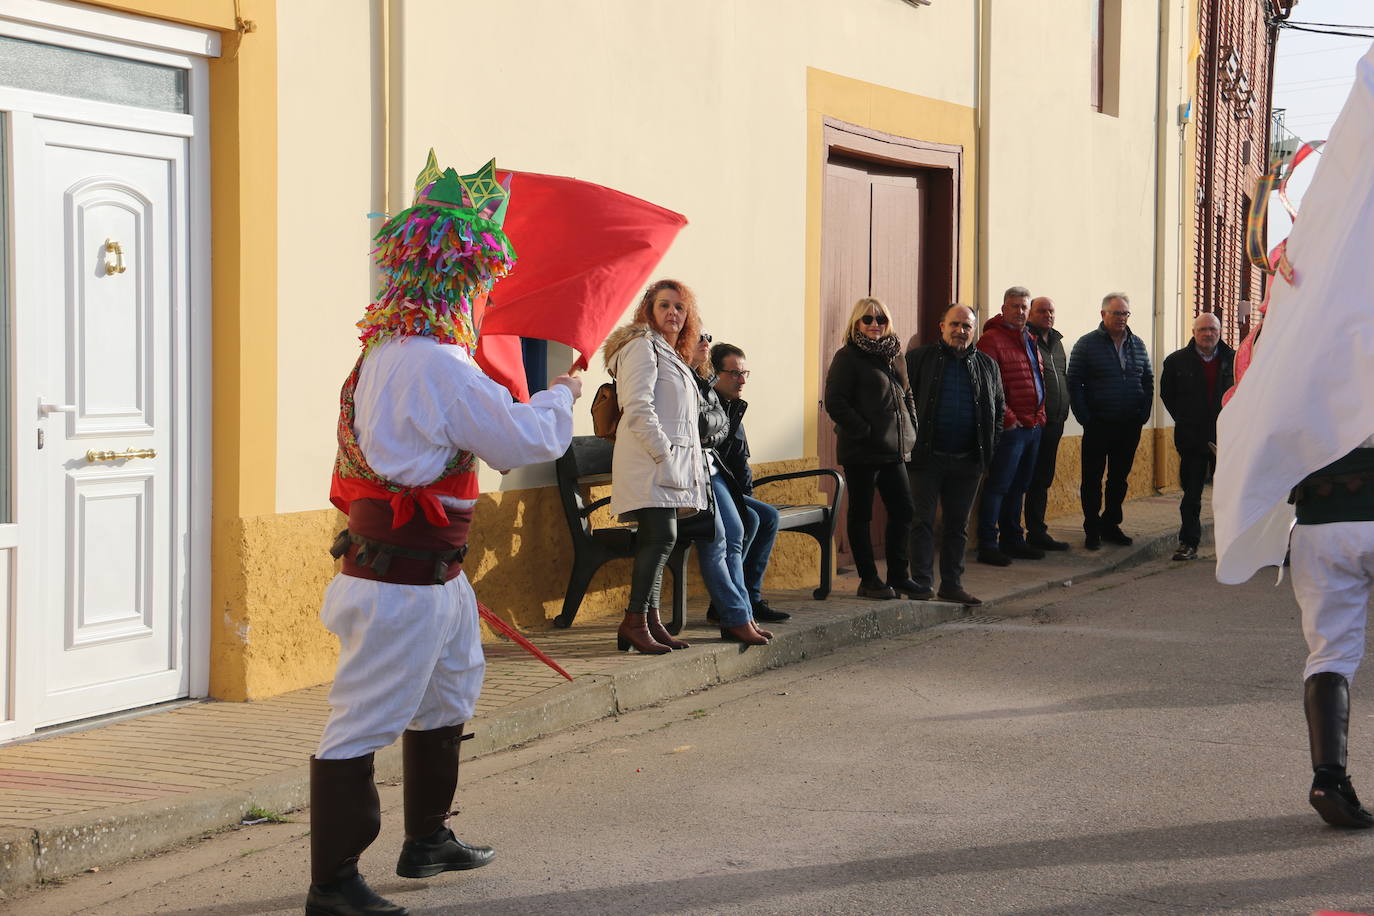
(1134, 745)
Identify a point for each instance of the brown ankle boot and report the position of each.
(660, 633)
(634, 631)
(744, 633)
(760, 630)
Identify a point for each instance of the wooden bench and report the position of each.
(587, 463)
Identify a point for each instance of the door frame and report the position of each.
(82, 28)
(847, 141)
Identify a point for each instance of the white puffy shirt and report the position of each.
(418, 401)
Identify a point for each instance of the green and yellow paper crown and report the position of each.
(446, 250)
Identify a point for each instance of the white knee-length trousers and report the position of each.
(1333, 573)
(411, 657)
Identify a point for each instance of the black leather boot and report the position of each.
(345, 817)
(1326, 700)
(430, 760)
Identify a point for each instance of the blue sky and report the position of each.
(1312, 77)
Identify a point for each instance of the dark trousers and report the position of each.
(1108, 446)
(1009, 474)
(1193, 467)
(1042, 478)
(891, 483)
(951, 482)
(654, 540)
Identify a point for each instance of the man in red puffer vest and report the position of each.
(1006, 339)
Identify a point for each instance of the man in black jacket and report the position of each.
(1111, 393)
(1051, 344)
(958, 393)
(1191, 385)
(760, 519)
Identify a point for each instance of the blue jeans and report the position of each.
(1008, 477)
(722, 559)
(760, 531)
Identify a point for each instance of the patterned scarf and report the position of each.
(886, 347)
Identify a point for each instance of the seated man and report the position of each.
(760, 519)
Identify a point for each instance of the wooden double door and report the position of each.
(888, 231)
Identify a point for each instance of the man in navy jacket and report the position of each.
(1111, 392)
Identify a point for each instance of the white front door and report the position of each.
(111, 222)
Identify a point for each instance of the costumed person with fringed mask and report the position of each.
(1294, 440)
(416, 414)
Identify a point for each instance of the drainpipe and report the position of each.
(386, 98)
(983, 93)
(1161, 126)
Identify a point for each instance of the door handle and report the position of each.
(45, 408)
(94, 455)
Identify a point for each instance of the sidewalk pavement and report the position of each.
(88, 798)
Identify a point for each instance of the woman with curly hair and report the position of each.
(658, 471)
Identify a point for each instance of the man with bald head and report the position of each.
(1191, 385)
(958, 392)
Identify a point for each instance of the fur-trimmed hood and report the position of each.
(621, 336)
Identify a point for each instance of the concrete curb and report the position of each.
(63, 846)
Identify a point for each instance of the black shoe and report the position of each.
(1114, 535)
(1335, 800)
(993, 557)
(763, 611)
(349, 897)
(438, 852)
(909, 589)
(1185, 552)
(958, 596)
(1045, 542)
(875, 589)
(1023, 552)
(712, 614)
(1092, 540)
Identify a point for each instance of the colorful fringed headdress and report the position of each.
(439, 256)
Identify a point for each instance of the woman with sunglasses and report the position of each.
(658, 473)
(867, 395)
(722, 557)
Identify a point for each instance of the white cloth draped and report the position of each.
(1304, 400)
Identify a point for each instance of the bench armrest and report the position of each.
(813, 472)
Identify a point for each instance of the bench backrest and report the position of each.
(586, 455)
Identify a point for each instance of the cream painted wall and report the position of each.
(699, 107)
(325, 165)
(1070, 193)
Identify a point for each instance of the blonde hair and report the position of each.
(690, 334)
(862, 308)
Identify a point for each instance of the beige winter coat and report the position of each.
(658, 459)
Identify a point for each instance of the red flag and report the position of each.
(584, 252)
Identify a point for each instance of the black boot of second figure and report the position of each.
(1326, 700)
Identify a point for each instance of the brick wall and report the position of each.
(1237, 45)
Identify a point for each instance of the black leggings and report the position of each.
(653, 543)
(892, 484)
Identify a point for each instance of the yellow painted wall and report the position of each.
(701, 107)
(1069, 193)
